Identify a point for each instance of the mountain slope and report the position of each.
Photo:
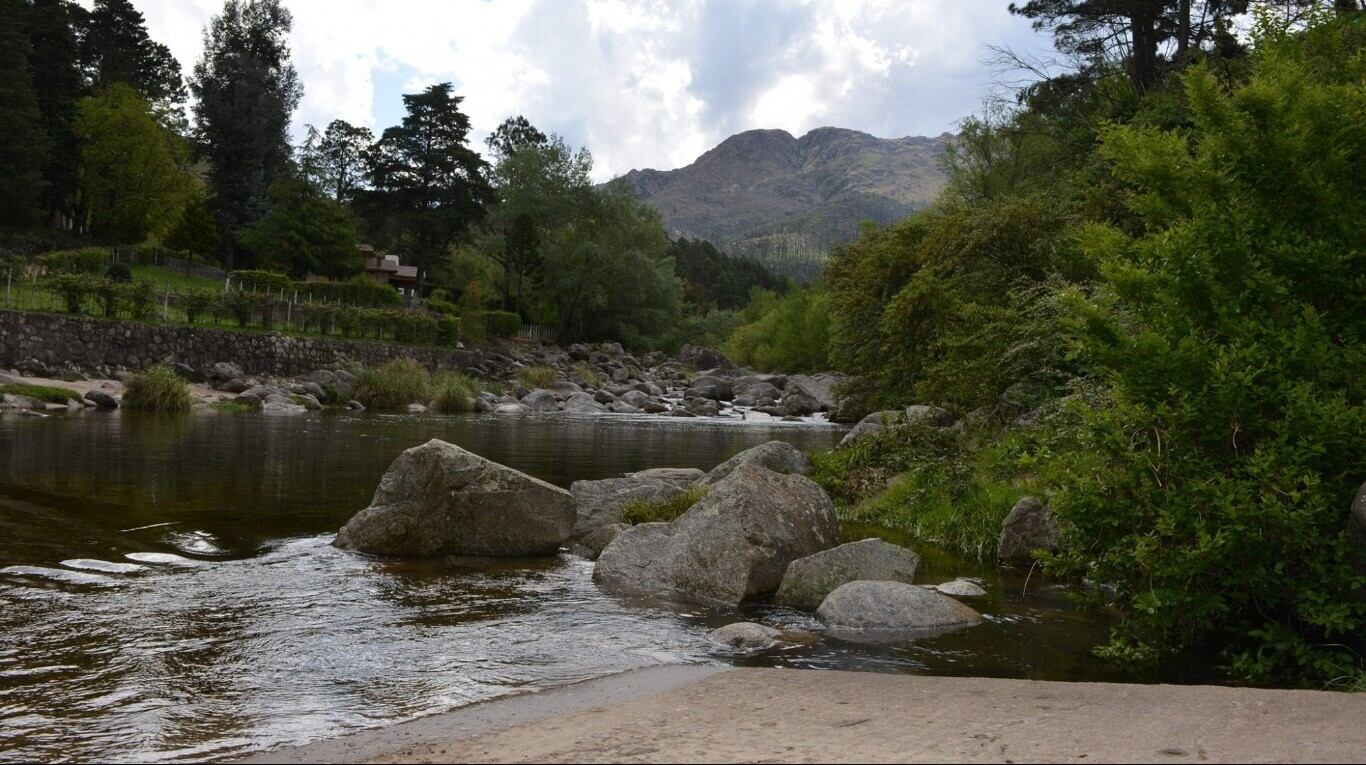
(786, 200)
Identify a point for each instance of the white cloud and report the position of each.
(642, 83)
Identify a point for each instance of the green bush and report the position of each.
(262, 281)
(239, 305)
(644, 511)
(502, 323)
(90, 260)
(454, 392)
(196, 304)
(357, 291)
(157, 389)
(141, 299)
(447, 331)
(589, 375)
(74, 289)
(784, 333)
(538, 376)
(393, 385)
(119, 272)
(1214, 492)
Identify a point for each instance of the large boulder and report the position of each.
(745, 637)
(223, 370)
(601, 503)
(1029, 527)
(819, 388)
(873, 423)
(892, 610)
(929, 415)
(778, 456)
(698, 357)
(710, 386)
(101, 399)
(734, 544)
(808, 580)
(438, 499)
(541, 400)
(583, 403)
(592, 544)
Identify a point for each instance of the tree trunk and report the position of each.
(1183, 31)
(1143, 61)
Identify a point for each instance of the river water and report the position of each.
(168, 590)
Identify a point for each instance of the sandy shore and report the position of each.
(707, 714)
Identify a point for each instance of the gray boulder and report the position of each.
(601, 503)
(871, 424)
(101, 399)
(511, 409)
(929, 415)
(1029, 527)
(541, 400)
(734, 544)
(686, 476)
(808, 580)
(961, 588)
(819, 388)
(438, 499)
(746, 637)
(583, 403)
(892, 610)
(703, 407)
(236, 385)
(712, 387)
(223, 370)
(698, 357)
(591, 545)
(778, 456)
(797, 404)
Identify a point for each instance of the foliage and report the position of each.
(74, 289)
(645, 511)
(710, 329)
(258, 280)
(787, 333)
(54, 65)
(425, 177)
(589, 375)
(712, 279)
(1214, 492)
(196, 303)
(334, 160)
(514, 134)
(89, 260)
(304, 233)
(157, 389)
(132, 178)
(538, 376)
(393, 385)
(115, 48)
(44, 393)
(358, 290)
(119, 272)
(454, 392)
(245, 90)
(502, 323)
(195, 231)
(24, 144)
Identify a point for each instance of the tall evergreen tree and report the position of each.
(23, 144)
(513, 134)
(55, 68)
(426, 178)
(245, 89)
(335, 159)
(116, 48)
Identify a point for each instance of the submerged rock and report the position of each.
(808, 580)
(961, 588)
(438, 499)
(892, 610)
(1029, 527)
(745, 636)
(734, 544)
(778, 456)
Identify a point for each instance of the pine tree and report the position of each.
(23, 144)
(55, 68)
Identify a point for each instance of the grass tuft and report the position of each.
(454, 392)
(539, 376)
(393, 385)
(45, 393)
(238, 407)
(590, 376)
(644, 511)
(157, 389)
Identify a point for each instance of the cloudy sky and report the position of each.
(642, 83)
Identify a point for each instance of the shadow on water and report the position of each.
(168, 588)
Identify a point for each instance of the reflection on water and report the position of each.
(168, 590)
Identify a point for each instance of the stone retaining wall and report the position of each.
(84, 342)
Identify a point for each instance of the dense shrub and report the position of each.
(262, 281)
(196, 304)
(74, 289)
(393, 385)
(784, 333)
(502, 323)
(358, 291)
(118, 272)
(454, 392)
(157, 389)
(90, 260)
(1214, 492)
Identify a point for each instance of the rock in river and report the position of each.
(734, 544)
(892, 610)
(745, 636)
(1029, 527)
(438, 499)
(778, 456)
(808, 580)
(601, 503)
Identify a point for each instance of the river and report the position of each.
(168, 589)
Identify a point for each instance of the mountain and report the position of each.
(786, 201)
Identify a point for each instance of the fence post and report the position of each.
(166, 304)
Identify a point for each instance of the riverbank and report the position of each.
(749, 715)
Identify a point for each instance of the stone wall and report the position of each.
(86, 343)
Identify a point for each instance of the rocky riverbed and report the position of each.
(581, 379)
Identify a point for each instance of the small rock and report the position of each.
(745, 636)
(892, 610)
(1029, 527)
(809, 580)
(961, 588)
(417, 408)
(101, 399)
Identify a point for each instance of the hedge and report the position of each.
(90, 260)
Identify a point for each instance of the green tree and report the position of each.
(115, 47)
(245, 89)
(23, 143)
(608, 275)
(57, 82)
(784, 333)
(427, 183)
(521, 254)
(131, 167)
(513, 134)
(335, 159)
(1214, 492)
(196, 231)
(305, 233)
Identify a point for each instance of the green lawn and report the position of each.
(164, 277)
